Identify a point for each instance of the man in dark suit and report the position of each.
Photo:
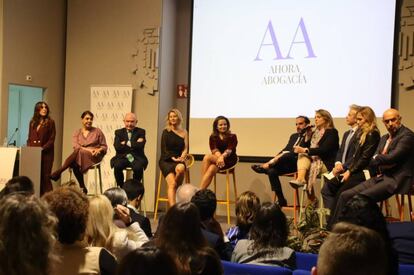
(343, 158)
(393, 163)
(285, 161)
(129, 145)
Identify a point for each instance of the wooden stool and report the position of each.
(129, 175)
(188, 163)
(295, 206)
(227, 201)
(399, 199)
(97, 175)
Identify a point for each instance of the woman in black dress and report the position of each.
(174, 148)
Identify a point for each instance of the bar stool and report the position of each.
(129, 175)
(188, 163)
(97, 176)
(295, 206)
(227, 201)
(400, 199)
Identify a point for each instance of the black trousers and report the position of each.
(120, 164)
(286, 164)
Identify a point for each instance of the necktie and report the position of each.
(129, 157)
(347, 141)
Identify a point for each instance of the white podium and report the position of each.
(29, 159)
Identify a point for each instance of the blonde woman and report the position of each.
(101, 230)
(367, 138)
(247, 206)
(174, 149)
(320, 156)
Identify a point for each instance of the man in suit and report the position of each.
(129, 145)
(393, 163)
(343, 158)
(285, 161)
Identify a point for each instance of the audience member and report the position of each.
(320, 156)
(286, 160)
(147, 261)
(71, 207)
(19, 184)
(267, 242)
(27, 234)
(42, 134)
(174, 149)
(181, 237)
(185, 192)
(129, 146)
(89, 147)
(206, 202)
(135, 190)
(352, 249)
(102, 231)
(223, 145)
(247, 205)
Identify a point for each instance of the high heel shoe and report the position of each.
(55, 176)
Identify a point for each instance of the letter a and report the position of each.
(306, 40)
(274, 43)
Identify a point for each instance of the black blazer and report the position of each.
(136, 149)
(398, 162)
(143, 221)
(363, 153)
(327, 148)
(351, 149)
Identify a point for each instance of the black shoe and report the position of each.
(296, 184)
(54, 176)
(258, 169)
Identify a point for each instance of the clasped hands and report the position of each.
(339, 170)
(180, 158)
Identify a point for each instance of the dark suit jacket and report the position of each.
(363, 153)
(327, 148)
(292, 140)
(143, 222)
(398, 163)
(136, 149)
(350, 152)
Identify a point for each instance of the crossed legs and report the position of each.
(209, 170)
(173, 180)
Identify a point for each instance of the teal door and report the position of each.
(22, 100)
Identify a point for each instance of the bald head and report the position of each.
(130, 121)
(185, 192)
(392, 120)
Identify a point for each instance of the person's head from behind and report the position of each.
(20, 184)
(147, 261)
(71, 207)
(185, 192)
(206, 202)
(269, 228)
(116, 195)
(100, 223)
(247, 206)
(27, 234)
(134, 190)
(352, 249)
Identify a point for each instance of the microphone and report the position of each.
(310, 126)
(12, 136)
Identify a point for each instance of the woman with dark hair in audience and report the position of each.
(362, 210)
(27, 236)
(247, 206)
(320, 156)
(223, 145)
(42, 134)
(267, 241)
(180, 236)
(174, 149)
(19, 184)
(71, 207)
(147, 261)
(89, 148)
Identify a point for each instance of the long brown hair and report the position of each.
(370, 124)
(327, 117)
(37, 118)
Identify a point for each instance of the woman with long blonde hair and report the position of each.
(174, 149)
(101, 230)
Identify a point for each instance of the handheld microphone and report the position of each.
(12, 136)
(310, 126)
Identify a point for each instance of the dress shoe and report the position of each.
(258, 169)
(54, 176)
(297, 184)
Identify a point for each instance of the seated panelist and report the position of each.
(129, 146)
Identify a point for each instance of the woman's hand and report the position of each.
(123, 214)
(220, 161)
(337, 169)
(96, 151)
(345, 176)
(299, 149)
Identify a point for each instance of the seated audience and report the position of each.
(89, 148)
(352, 249)
(267, 242)
(174, 149)
(286, 160)
(180, 236)
(320, 156)
(185, 192)
(134, 190)
(223, 145)
(102, 231)
(147, 261)
(206, 202)
(247, 205)
(27, 234)
(71, 207)
(18, 184)
(402, 237)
